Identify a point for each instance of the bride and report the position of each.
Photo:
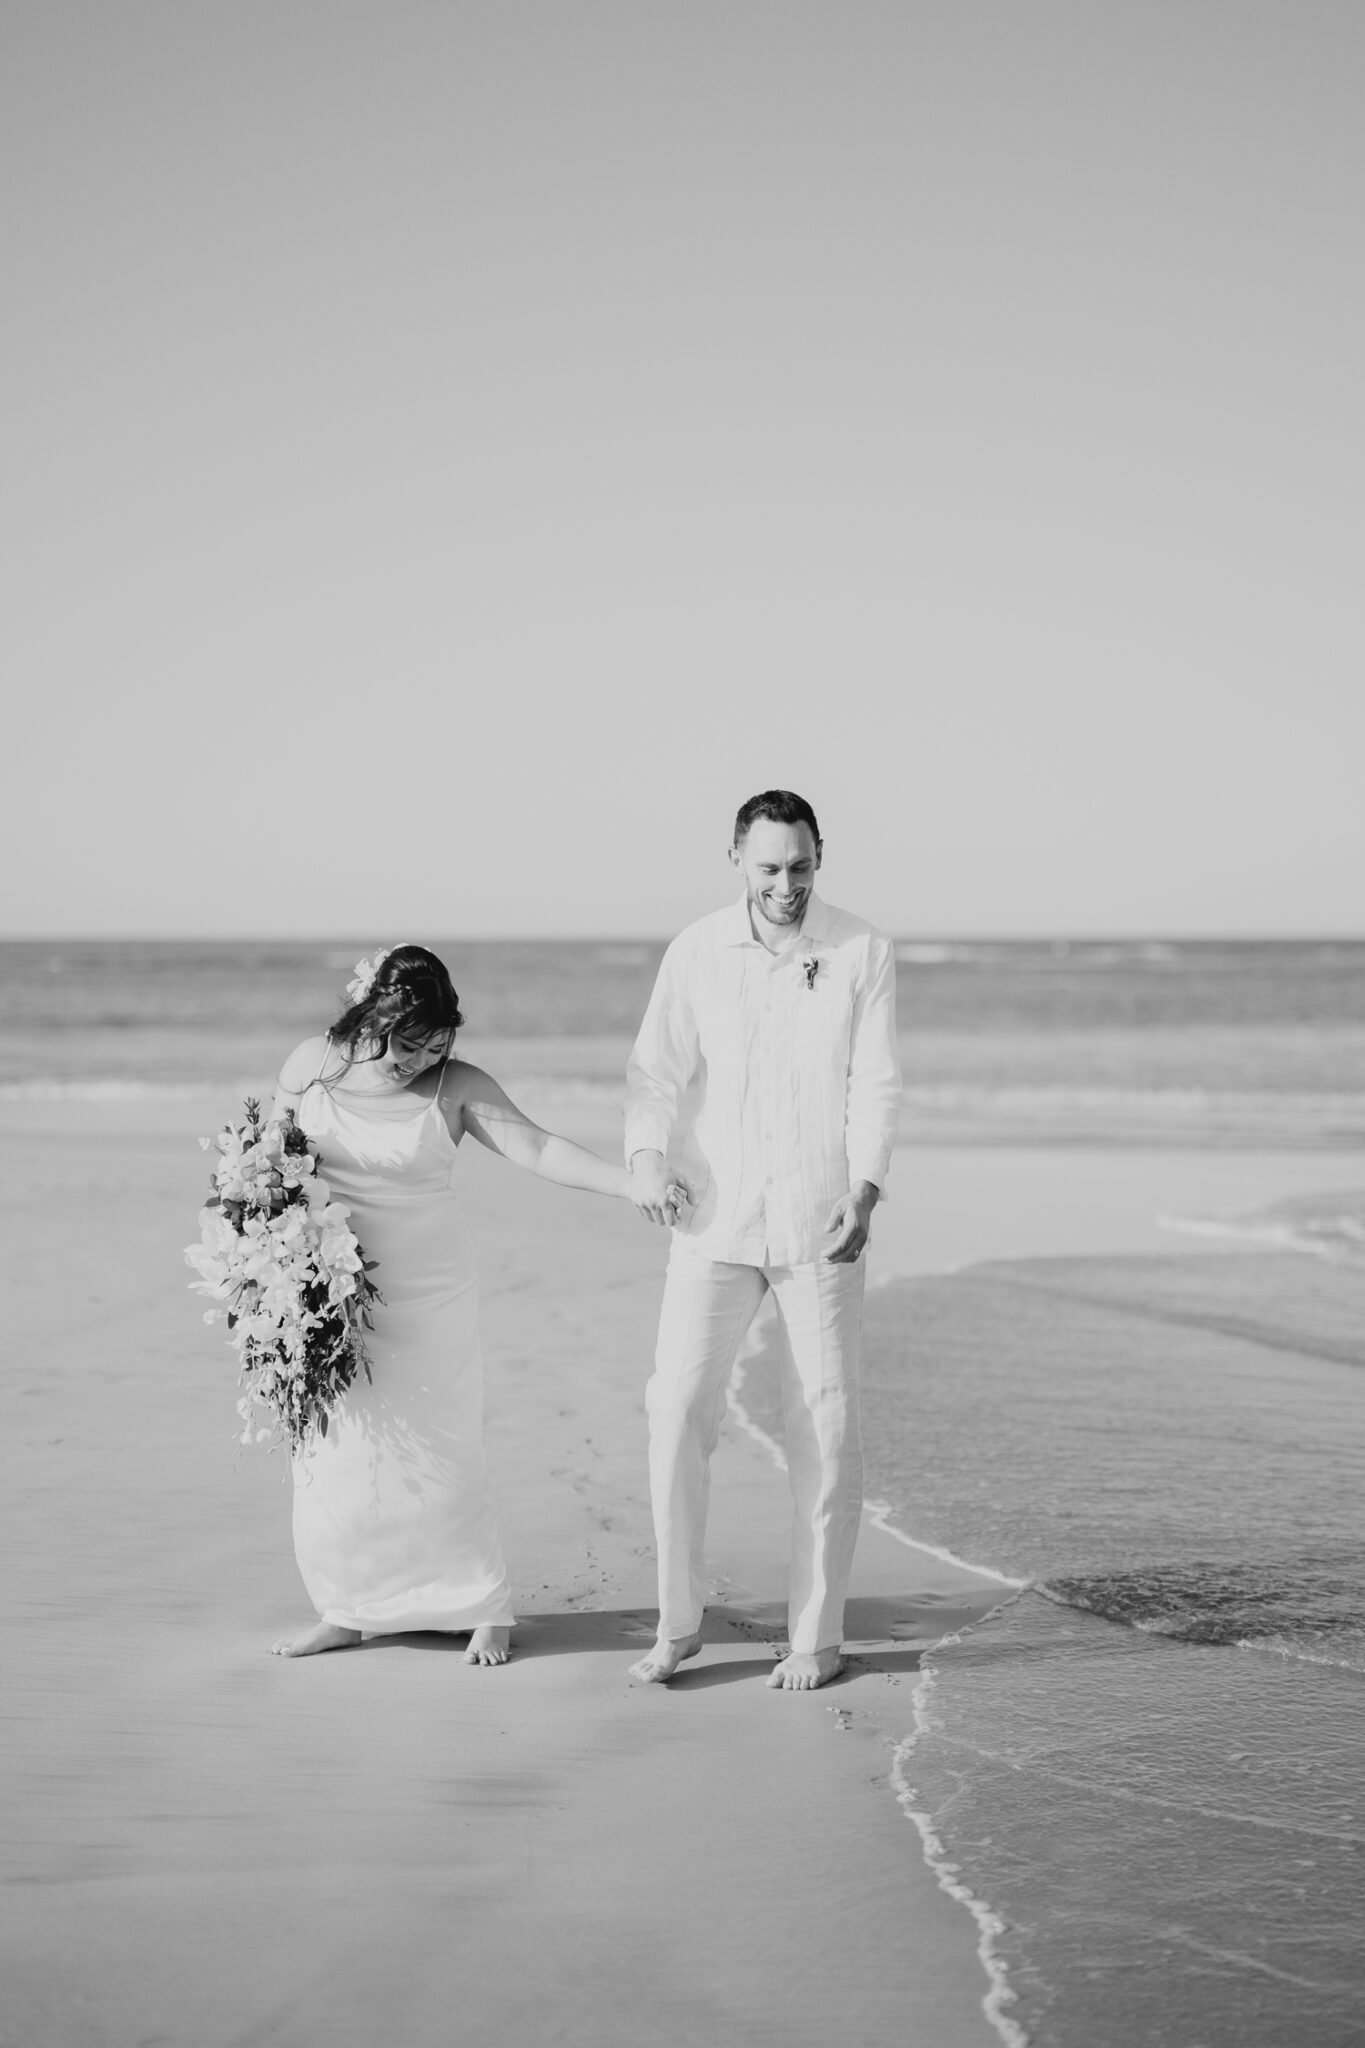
(393, 1529)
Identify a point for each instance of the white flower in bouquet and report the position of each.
(291, 1229)
(216, 1279)
(230, 1180)
(340, 1252)
(217, 1236)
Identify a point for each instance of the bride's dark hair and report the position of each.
(411, 992)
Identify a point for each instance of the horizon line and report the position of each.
(1089, 936)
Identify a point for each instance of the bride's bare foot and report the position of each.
(663, 1660)
(326, 1636)
(489, 1645)
(802, 1671)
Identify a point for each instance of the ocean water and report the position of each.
(134, 1016)
(1173, 1042)
(1329, 1224)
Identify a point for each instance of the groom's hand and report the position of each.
(654, 1190)
(851, 1217)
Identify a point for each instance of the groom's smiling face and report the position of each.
(779, 864)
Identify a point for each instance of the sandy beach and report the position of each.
(208, 1845)
(1162, 1432)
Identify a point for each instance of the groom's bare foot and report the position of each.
(489, 1645)
(663, 1660)
(802, 1671)
(326, 1636)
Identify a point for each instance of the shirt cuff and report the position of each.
(878, 1171)
(645, 1133)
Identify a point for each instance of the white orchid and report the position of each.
(215, 1276)
(340, 1253)
(291, 1227)
(230, 1181)
(362, 981)
(216, 1234)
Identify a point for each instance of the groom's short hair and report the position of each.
(783, 806)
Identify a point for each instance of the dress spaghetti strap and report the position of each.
(440, 1081)
(317, 1080)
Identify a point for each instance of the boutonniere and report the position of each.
(810, 967)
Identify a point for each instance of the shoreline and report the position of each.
(997, 1592)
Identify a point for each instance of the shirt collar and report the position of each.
(737, 930)
(815, 923)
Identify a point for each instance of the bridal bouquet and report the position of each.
(278, 1258)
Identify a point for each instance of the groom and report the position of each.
(765, 1085)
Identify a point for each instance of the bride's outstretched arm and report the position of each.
(488, 1113)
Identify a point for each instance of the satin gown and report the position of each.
(393, 1528)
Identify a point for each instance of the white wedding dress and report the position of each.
(392, 1523)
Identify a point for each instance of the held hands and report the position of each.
(851, 1217)
(659, 1195)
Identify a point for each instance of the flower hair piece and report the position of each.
(365, 971)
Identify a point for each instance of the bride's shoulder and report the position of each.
(305, 1063)
(460, 1075)
(465, 1083)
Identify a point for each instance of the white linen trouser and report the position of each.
(707, 1308)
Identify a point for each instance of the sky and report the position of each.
(454, 454)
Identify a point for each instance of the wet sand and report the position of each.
(206, 1844)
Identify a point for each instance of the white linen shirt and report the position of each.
(770, 1089)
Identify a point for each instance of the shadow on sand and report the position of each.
(877, 1633)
